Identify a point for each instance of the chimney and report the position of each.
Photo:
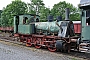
(67, 11)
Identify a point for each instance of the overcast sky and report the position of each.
(48, 3)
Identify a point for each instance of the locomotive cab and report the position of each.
(85, 19)
(24, 24)
(85, 25)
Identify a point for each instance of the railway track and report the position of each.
(6, 38)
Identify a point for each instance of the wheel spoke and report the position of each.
(37, 43)
(28, 42)
(51, 47)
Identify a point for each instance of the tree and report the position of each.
(35, 6)
(0, 13)
(59, 10)
(0, 16)
(44, 12)
(31, 9)
(14, 8)
(75, 15)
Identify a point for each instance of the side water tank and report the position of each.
(59, 18)
(50, 18)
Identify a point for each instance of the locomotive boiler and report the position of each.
(50, 26)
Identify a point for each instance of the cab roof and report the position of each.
(84, 3)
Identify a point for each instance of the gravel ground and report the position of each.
(10, 51)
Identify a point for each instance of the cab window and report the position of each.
(88, 17)
(88, 21)
(25, 20)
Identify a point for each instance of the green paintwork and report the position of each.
(14, 24)
(85, 33)
(14, 28)
(21, 18)
(24, 28)
(48, 26)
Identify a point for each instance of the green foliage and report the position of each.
(44, 12)
(37, 2)
(59, 10)
(14, 8)
(0, 13)
(0, 21)
(35, 6)
(75, 16)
